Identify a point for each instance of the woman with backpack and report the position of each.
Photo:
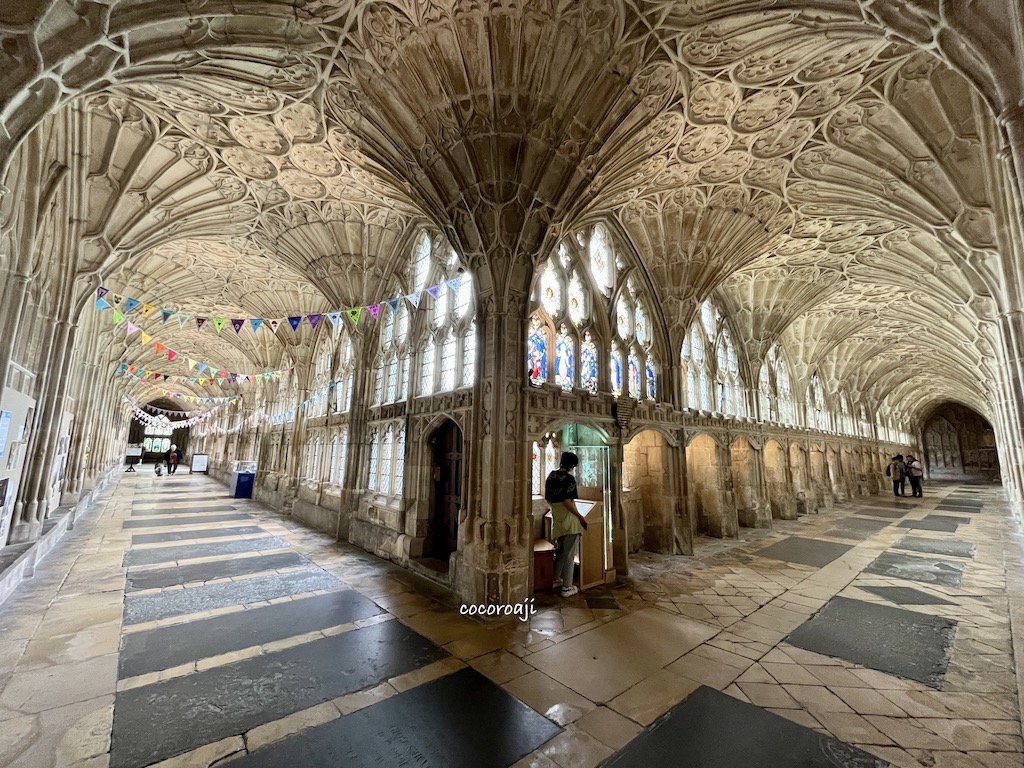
(915, 472)
(897, 472)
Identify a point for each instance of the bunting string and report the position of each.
(163, 422)
(182, 396)
(206, 375)
(123, 307)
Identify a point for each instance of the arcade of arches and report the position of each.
(399, 255)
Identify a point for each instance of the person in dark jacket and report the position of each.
(567, 524)
(173, 457)
(897, 472)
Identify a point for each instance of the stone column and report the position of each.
(33, 498)
(494, 560)
(13, 290)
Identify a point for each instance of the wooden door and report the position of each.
(447, 449)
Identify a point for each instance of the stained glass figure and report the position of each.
(577, 300)
(551, 290)
(634, 376)
(564, 359)
(588, 363)
(550, 458)
(623, 320)
(537, 353)
(652, 382)
(616, 370)
(642, 331)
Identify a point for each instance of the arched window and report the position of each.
(783, 388)
(346, 374)
(845, 419)
(342, 455)
(445, 331)
(586, 299)
(766, 394)
(390, 382)
(711, 365)
(387, 459)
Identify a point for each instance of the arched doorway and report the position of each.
(648, 500)
(959, 444)
(445, 491)
(780, 494)
(712, 501)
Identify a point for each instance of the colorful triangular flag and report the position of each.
(200, 322)
(159, 348)
(131, 328)
(393, 303)
(334, 317)
(165, 315)
(147, 310)
(219, 323)
(354, 314)
(294, 322)
(130, 304)
(414, 298)
(102, 303)
(191, 363)
(183, 317)
(146, 338)
(101, 292)
(435, 291)
(374, 310)
(118, 317)
(171, 354)
(274, 325)
(256, 322)
(314, 320)
(237, 323)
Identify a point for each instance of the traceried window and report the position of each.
(445, 329)
(344, 380)
(711, 365)
(395, 349)
(332, 469)
(591, 311)
(845, 419)
(766, 395)
(387, 459)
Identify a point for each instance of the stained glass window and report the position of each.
(537, 350)
(623, 319)
(550, 458)
(551, 290)
(616, 370)
(535, 471)
(601, 259)
(564, 359)
(634, 376)
(588, 363)
(585, 278)
(577, 299)
(652, 383)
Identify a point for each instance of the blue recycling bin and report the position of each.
(242, 484)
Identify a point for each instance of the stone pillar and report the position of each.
(494, 560)
(13, 290)
(33, 498)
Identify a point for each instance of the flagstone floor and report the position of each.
(178, 627)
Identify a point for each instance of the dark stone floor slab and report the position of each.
(199, 533)
(190, 551)
(709, 729)
(963, 509)
(856, 528)
(950, 547)
(892, 514)
(166, 647)
(157, 578)
(602, 603)
(926, 569)
(157, 721)
(185, 520)
(459, 721)
(161, 605)
(179, 510)
(804, 551)
(906, 596)
(932, 523)
(893, 640)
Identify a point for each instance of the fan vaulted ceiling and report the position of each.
(811, 168)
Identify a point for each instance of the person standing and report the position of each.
(173, 458)
(897, 471)
(915, 471)
(567, 524)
